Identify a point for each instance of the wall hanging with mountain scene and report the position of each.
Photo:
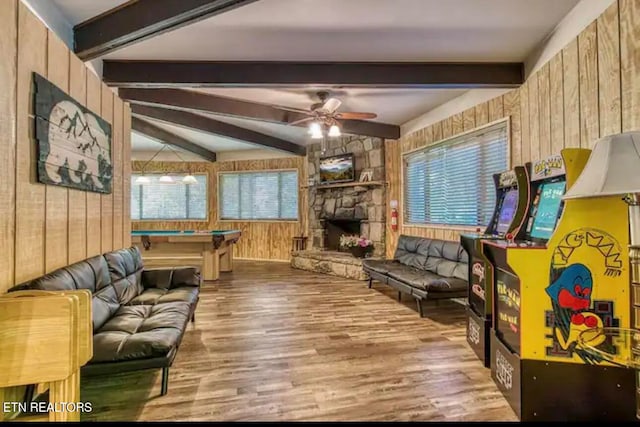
(74, 144)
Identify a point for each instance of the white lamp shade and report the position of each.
(334, 131)
(166, 179)
(315, 127)
(613, 168)
(189, 179)
(316, 134)
(142, 180)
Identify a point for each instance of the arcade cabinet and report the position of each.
(512, 200)
(569, 274)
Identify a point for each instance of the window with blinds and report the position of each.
(158, 201)
(451, 183)
(269, 195)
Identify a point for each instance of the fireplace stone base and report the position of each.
(335, 263)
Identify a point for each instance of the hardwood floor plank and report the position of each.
(275, 344)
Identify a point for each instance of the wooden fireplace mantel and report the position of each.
(347, 184)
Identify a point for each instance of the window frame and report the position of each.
(172, 173)
(276, 220)
(442, 142)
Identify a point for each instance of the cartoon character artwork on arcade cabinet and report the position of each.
(583, 261)
(512, 201)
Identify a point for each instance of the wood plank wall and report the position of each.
(590, 89)
(44, 227)
(261, 240)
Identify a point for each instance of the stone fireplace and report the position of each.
(361, 208)
(349, 208)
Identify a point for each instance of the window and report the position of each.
(452, 182)
(259, 195)
(177, 201)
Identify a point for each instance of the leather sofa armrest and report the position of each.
(167, 278)
(186, 276)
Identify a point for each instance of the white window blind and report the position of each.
(452, 182)
(259, 195)
(177, 201)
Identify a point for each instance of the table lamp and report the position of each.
(613, 169)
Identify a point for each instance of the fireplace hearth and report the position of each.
(334, 228)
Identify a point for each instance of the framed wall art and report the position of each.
(74, 144)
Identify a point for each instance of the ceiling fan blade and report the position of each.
(297, 122)
(330, 105)
(355, 116)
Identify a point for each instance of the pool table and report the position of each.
(211, 250)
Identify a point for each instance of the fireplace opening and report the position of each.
(335, 228)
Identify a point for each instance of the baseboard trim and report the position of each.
(262, 259)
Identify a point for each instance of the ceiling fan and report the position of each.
(325, 114)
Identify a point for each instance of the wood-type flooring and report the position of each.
(271, 343)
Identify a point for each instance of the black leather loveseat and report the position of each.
(139, 315)
(423, 268)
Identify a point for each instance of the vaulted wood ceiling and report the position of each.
(231, 68)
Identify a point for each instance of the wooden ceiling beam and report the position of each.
(191, 100)
(157, 133)
(141, 19)
(216, 127)
(282, 73)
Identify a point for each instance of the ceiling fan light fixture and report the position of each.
(334, 131)
(315, 127)
(316, 131)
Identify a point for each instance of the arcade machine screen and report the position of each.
(548, 209)
(507, 211)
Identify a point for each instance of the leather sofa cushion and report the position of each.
(123, 262)
(378, 265)
(125, 268)
(58, 280)
(91, 274)
(169, 278)
(403, 272)
(104, 304)
(141, 332)
(100, 270)
(447, 259)
(151, 296)
(426, 280)
(412, 251)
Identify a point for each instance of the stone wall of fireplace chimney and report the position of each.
(363, 203)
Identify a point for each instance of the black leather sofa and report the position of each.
(423, 268)
(139, 315)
